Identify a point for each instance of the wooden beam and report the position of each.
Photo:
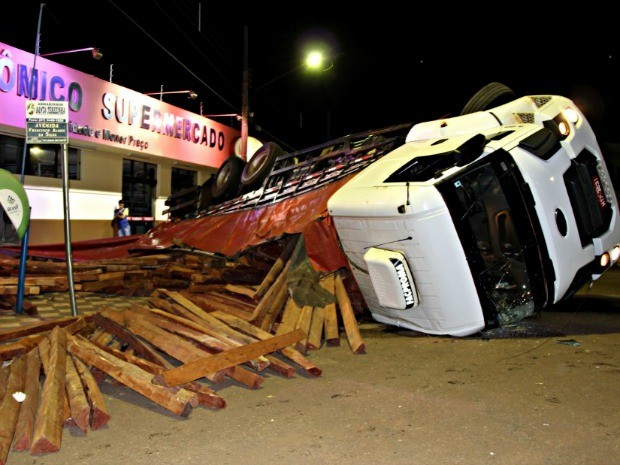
(47, 435)
(270, 296)
(178, 401)
(9, 408)
(332, 334)
(232, 357)
(348, 317)
(28, 410)
(80, 409)
(290, 352)
(35, 328)
(315, 333)
(99, 414)
(276, 268)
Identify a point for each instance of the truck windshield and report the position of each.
(488, 205)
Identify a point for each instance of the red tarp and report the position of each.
(229, 233)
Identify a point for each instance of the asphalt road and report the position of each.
(545, 391)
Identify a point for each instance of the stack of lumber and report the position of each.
(176, 351)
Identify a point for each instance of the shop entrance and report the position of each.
(139, 181)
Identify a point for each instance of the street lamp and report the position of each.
(190, 93)
(97, 55)
(314, 60)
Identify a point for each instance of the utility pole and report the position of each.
(245, 111)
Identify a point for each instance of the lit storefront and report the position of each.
(122, 144)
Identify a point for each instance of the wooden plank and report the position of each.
(206, 396)
(197, 311)
(269, 297)
(290, 352)
(331, 331)
(19, 348)
(47, 435)
(185, 351)
(207, 328)
(99, 414)
(304, 322)
(280, 367)
(106, 320)
(44, 352)
(275, 309)
(9, 408)
(315, 333)
(197, 369)
(80, 409)
(276, 268)
(22, 439)
(5, 371)
(246, 290)
(178, 401)
(289, 317)
(211, 302)
(202, 335)
(35, 328)
(173, 345)
(12, 290)
(348, 318)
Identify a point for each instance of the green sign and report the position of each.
(14, 201)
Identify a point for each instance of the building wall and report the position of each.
(107, 123)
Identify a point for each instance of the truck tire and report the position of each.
(491, 95)
(259, 166)
(226, 183)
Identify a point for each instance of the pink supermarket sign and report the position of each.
(105, 113)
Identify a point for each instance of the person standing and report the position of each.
(121, 214)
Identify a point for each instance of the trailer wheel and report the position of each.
(259, 166)
(226, 183)
(489, 96)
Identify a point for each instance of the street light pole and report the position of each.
(245, 97)
(65, 194)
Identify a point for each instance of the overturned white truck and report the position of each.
(456, 225)
(480, 220)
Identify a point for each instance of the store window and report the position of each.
(41, 160)
(182, 179)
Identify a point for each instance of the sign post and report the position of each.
(47, 123)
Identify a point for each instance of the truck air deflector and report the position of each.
(543, 143)
(429, 166)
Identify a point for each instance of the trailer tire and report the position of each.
(259, 166)
(489, 96)
(226, 183)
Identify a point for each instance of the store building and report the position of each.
(122, 144)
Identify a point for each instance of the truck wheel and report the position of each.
(226, 184)
(259, 166)
(491, 95)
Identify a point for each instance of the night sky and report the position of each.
(390, 63)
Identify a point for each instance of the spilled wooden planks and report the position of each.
(176, 351)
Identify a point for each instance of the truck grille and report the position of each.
(588, 190)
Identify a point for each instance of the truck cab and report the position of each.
(480, 220)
